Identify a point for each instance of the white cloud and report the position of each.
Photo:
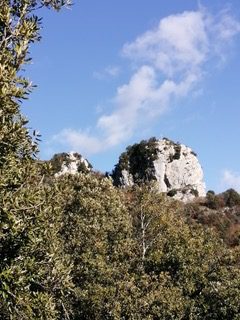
(141, 100)
(170, 61)
(78, 140)
(179, 43)
(131, 109)
(231, 180)
(226, 27)
(108, 72)
(113, 71)
(182, 43)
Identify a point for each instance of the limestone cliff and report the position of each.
(173, 166)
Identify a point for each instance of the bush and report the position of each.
(214, 201)
(231, 198)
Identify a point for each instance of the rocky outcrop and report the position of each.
(173, 166)
(69, 163)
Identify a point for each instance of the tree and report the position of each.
(35, 280)
(182, 271)
(19, 27)
(148, 207)
(97, 233)
(33, 271)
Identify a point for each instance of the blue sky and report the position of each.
(111, 73)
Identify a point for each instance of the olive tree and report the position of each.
(33, 273)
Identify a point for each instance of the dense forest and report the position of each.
(77, 247)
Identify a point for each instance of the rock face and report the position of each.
(69, 163)
(174, 166)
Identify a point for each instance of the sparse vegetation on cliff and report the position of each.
(138, 160)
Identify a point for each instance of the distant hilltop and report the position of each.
(69, 163)
(174, 167)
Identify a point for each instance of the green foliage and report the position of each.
(97, 233)
(194, 192)
(57, 161)
(138, 160)
(172, 193)
(231, 198)
(83, 168)
(19, 27)
(177, 149)
(215, 212)
(189, 265)
(214, 201)
(34, 272)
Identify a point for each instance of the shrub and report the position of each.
(231, 198)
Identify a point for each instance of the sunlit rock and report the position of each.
(174, 166)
